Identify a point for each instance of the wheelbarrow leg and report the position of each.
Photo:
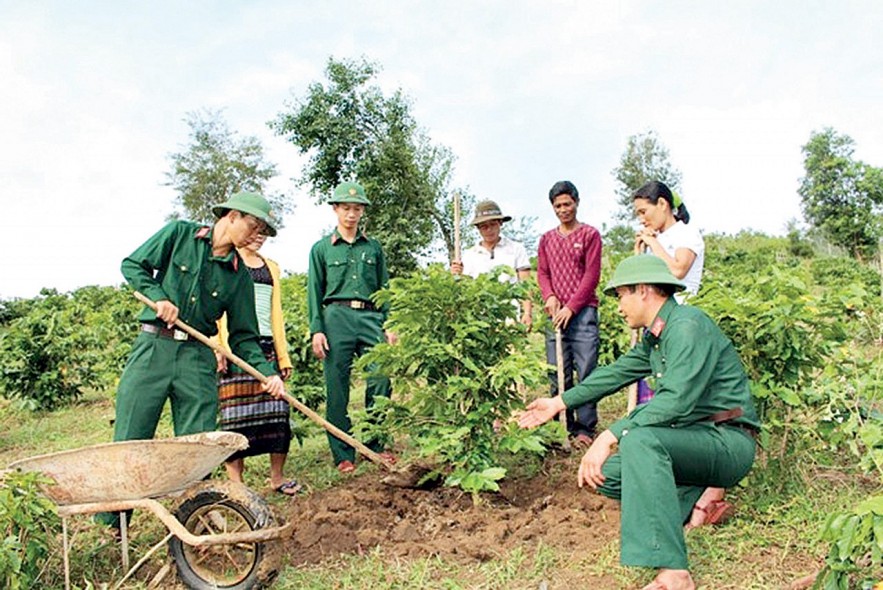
(67, 563)
(124, 539)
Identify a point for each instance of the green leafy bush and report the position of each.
(839, 271)
(111, 323)
(855, 559)
(306, 382)
(456, 370)
(47, 355)
(779, 329)
(28, 525)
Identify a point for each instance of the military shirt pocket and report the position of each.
(182, 275)
(369, 272)
(336, 269)
(213, 300)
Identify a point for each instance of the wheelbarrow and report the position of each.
(221, 534)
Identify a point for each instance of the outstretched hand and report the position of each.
(540, 411)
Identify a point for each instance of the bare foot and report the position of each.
(672, 580)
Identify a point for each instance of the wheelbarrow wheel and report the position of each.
(216, 507)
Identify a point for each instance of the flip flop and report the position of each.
(289, 488)
(717, 511)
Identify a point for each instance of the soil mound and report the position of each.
(362, 513)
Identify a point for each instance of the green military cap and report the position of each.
(642, 269)
(250, 203)
(349, 192)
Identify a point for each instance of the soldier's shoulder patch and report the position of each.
(657, 327)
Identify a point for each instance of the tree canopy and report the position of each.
(216, 164)
(351, 130)
(645, 158)
(842, 197)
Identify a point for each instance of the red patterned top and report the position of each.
(569, 267)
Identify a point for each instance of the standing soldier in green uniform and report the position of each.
(698, 431)
(192, 272)
(346, 268)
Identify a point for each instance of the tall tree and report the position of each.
(645, 159)
(216, 164)
(840, 196)
(352, 131)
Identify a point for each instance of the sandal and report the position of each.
(289, 488)
(716, 511)
(581, 441)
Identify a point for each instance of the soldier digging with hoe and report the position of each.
(192, 272)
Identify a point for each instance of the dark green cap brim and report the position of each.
(642, 269)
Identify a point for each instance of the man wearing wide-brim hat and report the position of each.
(495, 250)
(192, 272)
(698, 431)
(346, 269)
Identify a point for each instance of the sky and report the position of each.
(94, 96)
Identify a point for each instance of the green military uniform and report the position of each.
(671, 448)
(342, 278)
(177, 264)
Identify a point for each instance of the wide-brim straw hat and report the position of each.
(488, 211)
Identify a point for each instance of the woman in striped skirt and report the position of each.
(245, 409)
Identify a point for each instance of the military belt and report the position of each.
(178, 335)
(354, 304)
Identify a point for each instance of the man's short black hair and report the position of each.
(563, 187)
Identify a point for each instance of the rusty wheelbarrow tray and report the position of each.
(121, 476)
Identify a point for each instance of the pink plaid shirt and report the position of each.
(569, 267)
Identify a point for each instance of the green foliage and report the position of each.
(849, 393)
(306, 383)
(831, 271)
(777, 326)
(856, 555)
(645, 159)
(217, 164)
(841, 196)
(353, 131)
(28, 524)
(46, 356)
(110, 321)
(457, 369)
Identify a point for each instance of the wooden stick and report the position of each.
(457, 227)
(559, 361)
(340, 434)
(632, 395)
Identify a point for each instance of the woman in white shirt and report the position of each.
(667, 235)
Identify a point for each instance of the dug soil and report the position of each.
(362, 513)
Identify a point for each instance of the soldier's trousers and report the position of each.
(158, 369)
(659, 473)
(350, 332)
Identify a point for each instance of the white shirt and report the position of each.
(680, 236)
(478, 259)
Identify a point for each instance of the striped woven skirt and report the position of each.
(251, 412)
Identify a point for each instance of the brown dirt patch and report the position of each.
(361, 513)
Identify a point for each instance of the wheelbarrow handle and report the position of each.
(303, 409)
